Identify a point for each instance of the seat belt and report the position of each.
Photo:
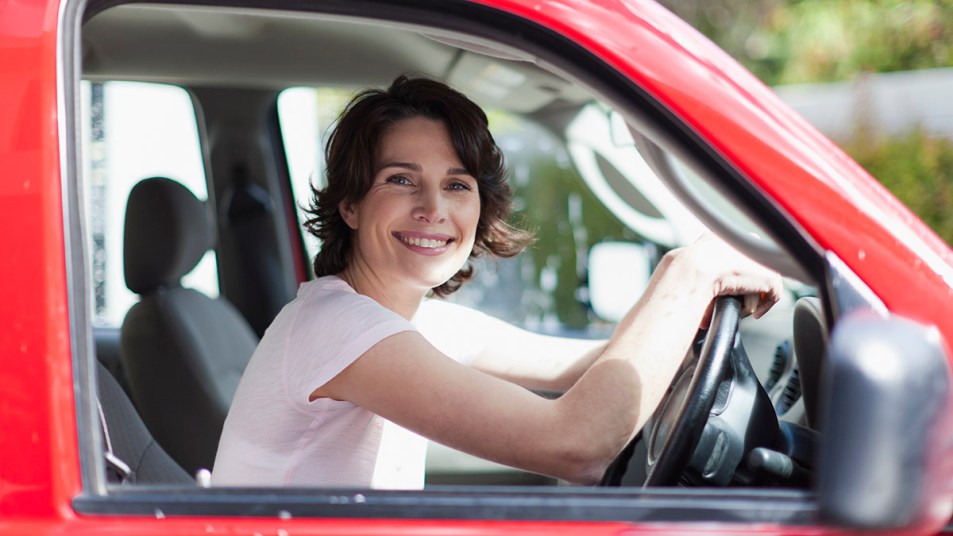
(118, 469)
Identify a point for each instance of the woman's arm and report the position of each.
(406, 380)
(531, 360)
(537, 362)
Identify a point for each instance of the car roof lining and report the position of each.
(203, 46)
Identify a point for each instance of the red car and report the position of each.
(627, 134)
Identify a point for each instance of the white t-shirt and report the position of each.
(274, 436)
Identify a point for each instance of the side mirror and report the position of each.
(886, 424)
(618, 275)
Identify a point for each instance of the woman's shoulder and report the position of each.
(330, 300)
(331, 315)
(328, 284)
(333, 291)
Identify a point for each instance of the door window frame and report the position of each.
(787, 507)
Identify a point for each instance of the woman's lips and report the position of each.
(430, 242)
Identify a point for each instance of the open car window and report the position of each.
(581, 181)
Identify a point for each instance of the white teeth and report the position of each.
(424, 242)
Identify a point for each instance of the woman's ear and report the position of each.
(348, 212)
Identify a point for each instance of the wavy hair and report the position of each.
(351, 155)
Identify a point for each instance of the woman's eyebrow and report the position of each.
(403, 165)
(411, 166)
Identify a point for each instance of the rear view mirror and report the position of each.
(885, 461)
(618, 274)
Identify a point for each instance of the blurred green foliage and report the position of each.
(917, 168)
(809, 41)
(797, 41)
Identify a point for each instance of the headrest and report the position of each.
(167, 231)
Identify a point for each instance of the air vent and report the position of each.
(790, 394)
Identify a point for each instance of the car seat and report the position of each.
(132, 454)
(183, 353)
(811, 341)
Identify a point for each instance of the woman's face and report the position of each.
(417, 223)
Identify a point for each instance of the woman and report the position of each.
(361, 364)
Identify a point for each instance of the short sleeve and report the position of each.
(332, 329)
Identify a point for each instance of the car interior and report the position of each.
(261, 83)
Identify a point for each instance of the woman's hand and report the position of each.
(712, 263)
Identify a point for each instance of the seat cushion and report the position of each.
(130, 439)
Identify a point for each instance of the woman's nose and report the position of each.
(431, 206)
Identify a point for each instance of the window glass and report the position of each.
(132, 131)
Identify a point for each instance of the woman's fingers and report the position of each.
(735, 274)
(751, 304)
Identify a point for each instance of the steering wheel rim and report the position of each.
(666, 464)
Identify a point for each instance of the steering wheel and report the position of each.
(717, 424)
(682, 416)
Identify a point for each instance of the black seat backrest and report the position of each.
(129, 438)
(183, 352)
(106, 341)
(811, 340)
(260, 288)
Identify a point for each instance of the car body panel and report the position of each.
(837, 205)
(37, 409)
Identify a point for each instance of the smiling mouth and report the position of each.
(423, 242)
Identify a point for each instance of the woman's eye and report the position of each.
(459, 186)
(398, 179)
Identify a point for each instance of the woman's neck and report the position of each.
(392, 295)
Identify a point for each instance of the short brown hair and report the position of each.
(351, 155)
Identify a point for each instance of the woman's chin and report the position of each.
(433, 275)
(432, 281)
